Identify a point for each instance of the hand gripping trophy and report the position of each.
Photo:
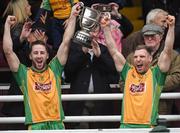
(89, 20)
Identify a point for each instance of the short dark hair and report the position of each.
(38, 42)
(147, 48)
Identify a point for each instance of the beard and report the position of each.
(39, 66)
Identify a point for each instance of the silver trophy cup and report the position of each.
(89, 19)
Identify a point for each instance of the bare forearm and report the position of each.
(63, 50)
(109, 40)
(11, 57)
(169, 40)
(69, 32)
(165, 57)
(7, 41)
(118, 58)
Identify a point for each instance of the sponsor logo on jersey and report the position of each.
(42, 87)
(137, 88)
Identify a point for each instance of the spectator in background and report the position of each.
(115, 26)
(173, 7)
(43, 111)
(143, 83)
(21, 9)
(170, 6)
(155, 16)
(4, 3)
(61, 10)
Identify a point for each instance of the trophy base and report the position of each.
(83, 39)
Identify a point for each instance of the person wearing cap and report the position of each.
(156, 16)
(152, 29)
(152, 35)
(143, 83)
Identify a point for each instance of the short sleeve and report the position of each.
(21, 76)
(56, 66)
(125, 70)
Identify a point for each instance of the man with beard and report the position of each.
(157, 17)
(143, 83)
(153, 37)
(40, 83)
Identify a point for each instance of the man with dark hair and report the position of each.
(153, 37)
(40, 83)
(143, 83)
(157, 17)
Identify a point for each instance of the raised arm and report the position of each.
(63, 50)
(118, 58)
(165, 57)
(11, 57)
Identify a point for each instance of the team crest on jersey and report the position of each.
(42, 87)
(135, 89)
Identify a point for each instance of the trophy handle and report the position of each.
(82, 9)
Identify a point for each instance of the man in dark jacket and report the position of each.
(90, 71)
